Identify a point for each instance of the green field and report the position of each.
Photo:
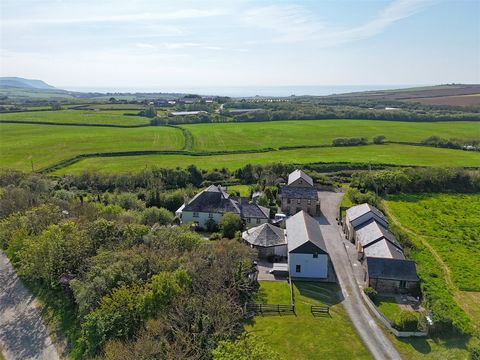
(112, 117)
(273, 134)
(305, 336)
(450, 225)
(45, 144)
(389, 154)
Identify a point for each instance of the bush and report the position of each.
(406, 321)
(230, 224)
(211, 225)
(154, 215)
(371, 293)
(475, 352)
(379, 139)
(354, 141)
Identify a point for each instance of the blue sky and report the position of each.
(168, 44)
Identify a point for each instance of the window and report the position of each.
(403, 284)
(298, 268)
(288, 201)
(248, 220)
(298, 201)
(258, 220)
(195, 214)
(315, 256)
(309, 202)
(210, 216)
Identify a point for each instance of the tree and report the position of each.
(154, 215)
(245, 348)
(379, 139)
(230, 224)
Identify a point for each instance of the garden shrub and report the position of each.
(407, 320)
(371, 293)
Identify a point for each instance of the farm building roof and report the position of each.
(304, 234)
(356, 211)
(373, 232)
(384, 249)
(299, 174)
(293, 192)
(391, 269)
(265, 235)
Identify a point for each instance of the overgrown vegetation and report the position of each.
(125, 284)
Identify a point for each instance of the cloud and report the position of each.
(293, 23)
(184, 14)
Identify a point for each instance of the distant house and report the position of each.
(361, 215)
(268, 239)
(307, 254)
(299, 194)
(213, 202)
(392, 275)
(373, 240)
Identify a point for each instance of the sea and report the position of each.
(244, 91)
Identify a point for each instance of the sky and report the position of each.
(226, 43)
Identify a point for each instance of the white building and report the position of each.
(307, 253)
(213, 202)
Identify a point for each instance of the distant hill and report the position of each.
(416, 93)
(17, 82)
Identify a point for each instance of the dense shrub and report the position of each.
(407, 320)
(353, 141)
(371, 293)
(230, 224)
(154, 215)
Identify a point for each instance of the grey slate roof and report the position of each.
(302, 230)
(254, 211)
(215, 200)
(384, 249)
(299, 174)
(265, 235)
(212, 200)
(356, 211)
(293, 192)
(373, 232)
(391, 269)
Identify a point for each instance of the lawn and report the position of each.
(388, 306)
(387, 154)
(21, 144)
(244, 190)
(111, 117)
(273, 134)
(304, 336)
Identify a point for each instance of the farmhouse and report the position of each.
(361, 215)
(269, 240)
(307, 254)
(299, 195)
(210, 205)
(392, 275)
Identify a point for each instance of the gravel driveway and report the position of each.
(372, 335)
(23, 334)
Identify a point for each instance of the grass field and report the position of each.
(44, 144)
(112, 117)
(390, 154)
(304, 336)
(450, 225)
(388, 306)
(240, 136)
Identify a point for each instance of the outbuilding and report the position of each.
(307, 253)
(268, 239)
(392, 275)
